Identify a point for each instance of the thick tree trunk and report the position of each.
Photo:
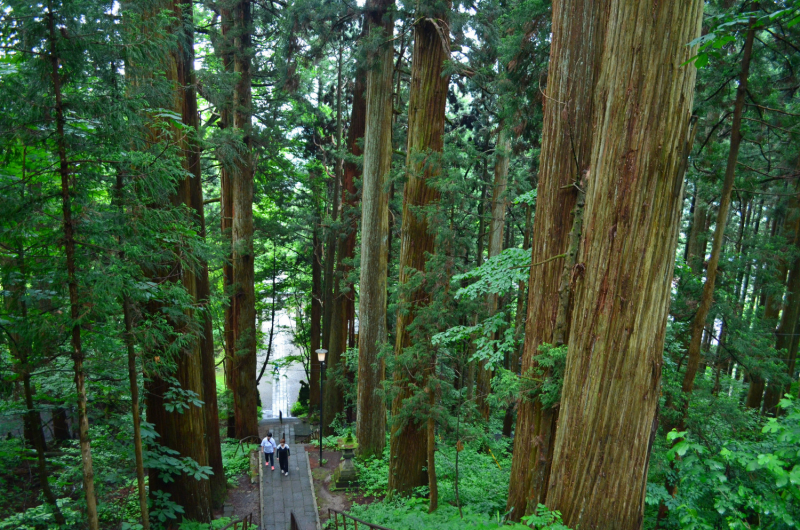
(613, 372)
(372, 335)
(546, 417)
(186, 432)
(785, 333)
(243, 297)
(74, 302)
(193, 198)
(722, 216)
(566, 147)
(426, 118)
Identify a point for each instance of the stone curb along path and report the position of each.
(280, 495)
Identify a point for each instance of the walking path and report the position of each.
(282, 495)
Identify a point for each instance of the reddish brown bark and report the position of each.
(74, 301)
(722, 217)
(243, 310)
(620, 306)
(343, 299)
(370, 410)
(566, 146)
(186, 432)
(426, 113)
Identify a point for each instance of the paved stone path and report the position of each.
(282, 495)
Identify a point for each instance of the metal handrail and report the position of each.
(356, 520)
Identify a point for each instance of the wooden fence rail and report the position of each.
(246, 522)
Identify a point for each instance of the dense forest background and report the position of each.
(552, 250)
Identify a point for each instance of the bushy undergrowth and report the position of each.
(216, 524)
(235, 461)
(483, 476)
(412, 514)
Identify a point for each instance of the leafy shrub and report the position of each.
(235, 461)
(743, 480)
(373, 474)
(41, 516)
(298, 410)
(216, 524)
(412, 514)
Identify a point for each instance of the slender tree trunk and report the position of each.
(226, 216)
(74, 301)
(243, 300)
(127, 314)
(613, 372)
(696, 246)
(433, 482)
(576, 49)
(19, 347)
(519, 324)
(372, 336)
(426, 118)
(722, 216)
(316, 314)
(137, 432)
(329, 279)
(496, 229)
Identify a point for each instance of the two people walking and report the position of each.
(270, 448)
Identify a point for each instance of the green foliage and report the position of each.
(498, 275)
(545, 380)
(727, 26)
(412, 514)
(235, 461)
(373, 474)
(746, 478)
(41, 516)
(216, 524)
(298, 410)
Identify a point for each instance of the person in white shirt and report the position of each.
(269, 445)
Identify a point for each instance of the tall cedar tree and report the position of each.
(185, 432)
(426, 119)
(371, 411)
(243, 309)
(612, 378)
(566, 148)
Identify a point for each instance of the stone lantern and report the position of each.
(345, 475)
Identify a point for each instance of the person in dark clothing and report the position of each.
(283, 456)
